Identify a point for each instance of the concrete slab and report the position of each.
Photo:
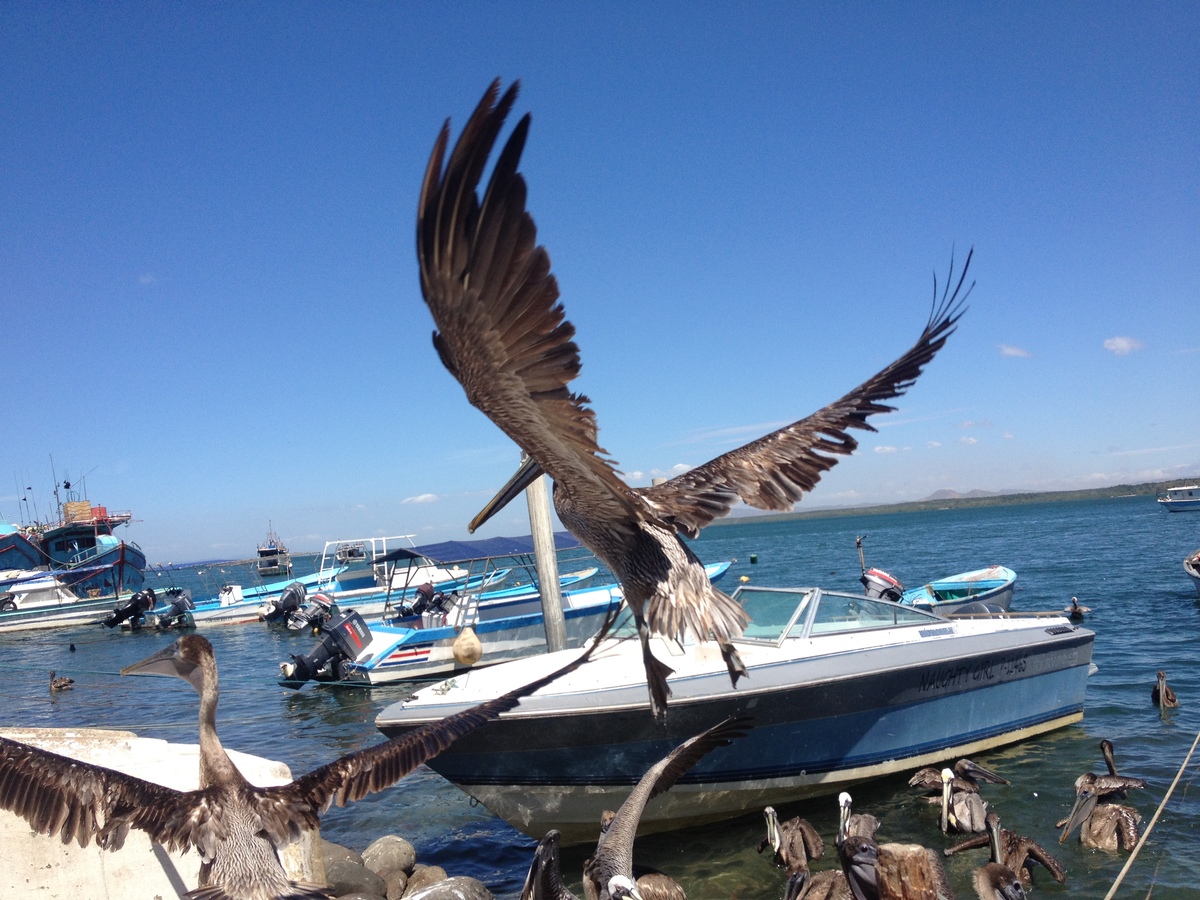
(42, 867)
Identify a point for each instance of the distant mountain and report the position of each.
(945, 494)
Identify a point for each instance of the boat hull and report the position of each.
(822, 724)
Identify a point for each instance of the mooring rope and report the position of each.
(1145, 834)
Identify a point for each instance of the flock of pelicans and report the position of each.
(503, 334)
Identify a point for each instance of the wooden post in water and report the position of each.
(538, 497)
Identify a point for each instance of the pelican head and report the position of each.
(774, 838)
(620, 887)
(859, 856)
(948, 817)
(524, 476)
(1085, 804)
(996, 881)
(183, 659)
(844, 803)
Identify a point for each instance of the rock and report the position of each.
(422, 877)
(330, 851)
(390, 854)
(348, 877)
(397, 884)
(459, 887)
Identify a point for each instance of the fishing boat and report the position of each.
(39, 598)
(843, 688)
(273, 557)
(1191, 565)
(1180, 498)
(85, 554)
(17, 552)
(425, 646)
(982, 590)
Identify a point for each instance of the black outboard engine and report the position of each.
(342, 638)
(313, 614)
(134, 611)
(281, 607)
(179, 613)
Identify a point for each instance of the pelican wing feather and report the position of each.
(776, 470)
(82, 802)
(501, 330)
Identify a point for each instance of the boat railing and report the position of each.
(779, 614)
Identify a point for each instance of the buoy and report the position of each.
(468, 649)
(744, 579)
(754, 559)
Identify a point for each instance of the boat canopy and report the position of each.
(449, 551)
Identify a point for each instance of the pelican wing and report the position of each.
(286, 810)
(501, 330)
(80, 802)
(614, 853)
(775, 471)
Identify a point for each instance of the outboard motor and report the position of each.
(342, 638)
(313, 614)
(877, 583)
(179, 613)
(280, 608)
(134, 611)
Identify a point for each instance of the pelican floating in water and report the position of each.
(965, 778)
(235, 826)
(61, 683)
(503, 334)
(614, 851)
(1101, 825)
(1161, 694)
(961, 810)
(793, 843)
(1075, 611)
(544, 881)
(1015, 851)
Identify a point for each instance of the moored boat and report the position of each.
(1180, 498)
(843, 688)
(1191, 565)
(274, 559)
(39, 598)
(981, 590)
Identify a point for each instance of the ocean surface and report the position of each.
(1121, 557)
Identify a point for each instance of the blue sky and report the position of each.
(209, 287)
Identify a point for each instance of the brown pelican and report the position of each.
(794, 843)
(1115, 785)
(961, 810)
(61, 683)
(1017, 852)
(234, 825)
(1075, 611)
(503, 334)
(1101, 825)
(544, 881)
(857, 851)
(614, 851)
(1162, 695)
(966, 778)
(996, 881)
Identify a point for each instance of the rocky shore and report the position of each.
(388, 870)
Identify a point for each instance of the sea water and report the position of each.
(1121, 557)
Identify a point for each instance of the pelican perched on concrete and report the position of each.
(1161, 694)
(614, 851)
(235, 826)
(1016, 851)
(793, 844)
(503, 334)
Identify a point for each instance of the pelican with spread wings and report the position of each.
(503, 334)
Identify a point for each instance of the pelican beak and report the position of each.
(773, 837)
(947, 816)
(795, 884)
(168, 661)
(1085, 804)
(528, 471)
(844, 802)
(977, 771)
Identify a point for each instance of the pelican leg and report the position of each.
(733, 662)
(656, 672)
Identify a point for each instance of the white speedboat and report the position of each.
(843, 688)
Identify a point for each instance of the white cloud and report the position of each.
(1122, 346)
(885, 449)
(148, 278)
(1007, 436)
(421, 498)
(968, 440)
(933, 445)
(1010, 350)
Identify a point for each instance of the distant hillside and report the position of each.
(953, 500)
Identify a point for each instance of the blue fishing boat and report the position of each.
(17, 552)
(843, 688)
(428, 645)
(85, 553)
(981, 590)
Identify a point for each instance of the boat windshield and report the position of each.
(777, 613)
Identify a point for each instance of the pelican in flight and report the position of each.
(613, 859)
(503, 334)
(235, 826)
